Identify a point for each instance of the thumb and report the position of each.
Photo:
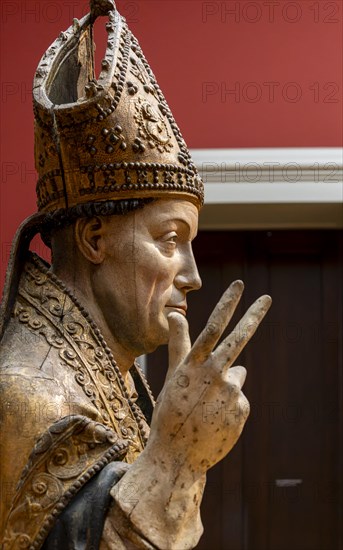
(179, 342)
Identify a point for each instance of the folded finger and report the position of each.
(237, 375)
(179, 342)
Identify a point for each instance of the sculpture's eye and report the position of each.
(168, 242)
(172, 238)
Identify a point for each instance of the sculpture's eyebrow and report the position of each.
(178, 220)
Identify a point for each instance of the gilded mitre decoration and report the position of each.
(108, 138)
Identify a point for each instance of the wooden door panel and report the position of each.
(281, 487)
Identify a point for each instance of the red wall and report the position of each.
(283, 59)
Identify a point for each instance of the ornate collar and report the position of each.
(48, 307)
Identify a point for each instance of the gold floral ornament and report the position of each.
(65, 457)
(152, 127)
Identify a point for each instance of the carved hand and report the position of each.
(201, 410)
(198, 418)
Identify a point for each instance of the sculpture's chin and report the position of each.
(160, 338)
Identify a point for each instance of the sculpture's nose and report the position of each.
(188, 277)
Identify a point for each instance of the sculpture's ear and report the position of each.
(90, 238)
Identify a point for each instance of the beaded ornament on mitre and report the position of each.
(106, 139)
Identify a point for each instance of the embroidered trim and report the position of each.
(64, 458)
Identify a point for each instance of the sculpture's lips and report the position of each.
(180, 308)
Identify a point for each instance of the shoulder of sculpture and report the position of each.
(27, 366)
(21, 347)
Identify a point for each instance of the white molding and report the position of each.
(304, 156)
(271, 188)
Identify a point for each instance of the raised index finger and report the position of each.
(217, 322)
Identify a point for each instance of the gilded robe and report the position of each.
(66, 412)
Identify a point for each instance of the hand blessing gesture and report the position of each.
(201, 410)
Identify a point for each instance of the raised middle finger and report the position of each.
(228, 351)
(217, 322)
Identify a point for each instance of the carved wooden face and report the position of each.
(147, 272)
